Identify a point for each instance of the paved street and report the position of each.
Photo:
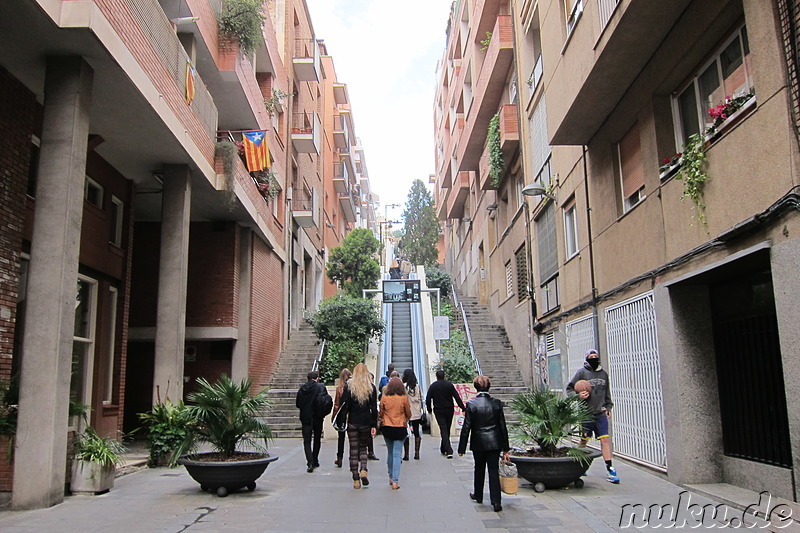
(433, 497)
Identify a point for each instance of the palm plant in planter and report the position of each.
(225, 416)
(95, 462)
(546, 419)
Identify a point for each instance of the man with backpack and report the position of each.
(315, 404)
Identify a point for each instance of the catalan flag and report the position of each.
(256, 151)
(189, 96)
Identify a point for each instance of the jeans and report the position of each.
(487, 460)
(313, 432)
(445, 420)
(394, 457)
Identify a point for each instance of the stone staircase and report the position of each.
(494, 352)
(296, 359)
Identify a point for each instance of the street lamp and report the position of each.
(532, 189)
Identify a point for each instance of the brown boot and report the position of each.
(338, 461)
(405, 447)
(417, 444)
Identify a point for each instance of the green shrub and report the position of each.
(457, 361)
(168, 425)
(437, 277)
(89, 446)
(244, 20)
(340, 354)
(344, 317)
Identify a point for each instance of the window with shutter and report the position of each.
(509, 279)
(570, 229)
(522, 274)
(546, 237)
(629, 150)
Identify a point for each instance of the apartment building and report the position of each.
(685, 281)
(139, 252)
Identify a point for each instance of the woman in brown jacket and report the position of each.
(344, 375)
(394, 414)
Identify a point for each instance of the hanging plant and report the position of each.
(496, 164)
(243, 20)
(274, 101)
(267, 183)
(228, 151)
(486, 42)
(693, 173)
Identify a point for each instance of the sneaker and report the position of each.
(612, 475)
(449, 455)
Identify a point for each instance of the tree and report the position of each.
(354, 265)
(421, 227)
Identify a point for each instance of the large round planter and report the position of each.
(224, 477)
(552, 472)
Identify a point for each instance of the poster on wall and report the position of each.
(401, 291)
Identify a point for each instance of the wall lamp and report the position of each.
(533, 189)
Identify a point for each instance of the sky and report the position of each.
(386, 52)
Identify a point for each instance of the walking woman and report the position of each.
(414, 393)
(344, 375)
(395, 412)
(484, 418)
(360, 398)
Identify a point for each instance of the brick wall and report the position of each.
(266, 323)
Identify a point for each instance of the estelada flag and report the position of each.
(189, 96)
(256, 151)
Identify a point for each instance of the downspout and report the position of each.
(596, 326)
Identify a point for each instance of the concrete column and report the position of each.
(172, 273)
(41, 442)
(240, 361)
(689, 384)
(786, 286)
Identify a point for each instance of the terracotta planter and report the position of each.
(552, 472)
(224, 477)
(90, 477)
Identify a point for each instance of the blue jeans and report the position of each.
(394, 457)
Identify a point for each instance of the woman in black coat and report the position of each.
(484, 418)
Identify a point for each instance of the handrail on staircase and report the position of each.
(453, 292)
(469, 340)
(318, 360)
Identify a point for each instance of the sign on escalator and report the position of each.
(398, 291)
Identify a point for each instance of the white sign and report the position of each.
(441, 328)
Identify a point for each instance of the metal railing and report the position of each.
(460, 306)
(606, 9)
(318, 360)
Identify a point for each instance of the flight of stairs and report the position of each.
(494, 353)
(295, 361)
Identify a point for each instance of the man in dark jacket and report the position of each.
(442, 393)
(600, 404)
(485, 419)
(311, 421)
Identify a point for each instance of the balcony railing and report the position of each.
(306, 132)
(536, 75)
(606, 9)
(306, 61)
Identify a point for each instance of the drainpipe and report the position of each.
(596, 326)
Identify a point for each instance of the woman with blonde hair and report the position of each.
(360, 407)
(344, 375)
(395, 412)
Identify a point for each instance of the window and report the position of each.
(117, 212)
(728, 74)
(509, 279)
(572, 10)
(522, 274)
(80, 390)
(631, 170)
(548, 258)
(570, 229)
(111, 324)
(93, 192)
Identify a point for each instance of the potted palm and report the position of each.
(546, 419)
(226, 416)
(95, 462)
(168, 426)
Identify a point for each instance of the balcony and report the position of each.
(341, 178)
(602, 60)
(346, 157)
(305, 207)
(348, 207)
(441, 203)
(489, 91)
(306, 132)
(340, 95)
(509, 130)
(340, 136)
(458, 194)
(306, 60)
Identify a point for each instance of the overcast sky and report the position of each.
(386, 53)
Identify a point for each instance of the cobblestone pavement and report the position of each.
(433, 497)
